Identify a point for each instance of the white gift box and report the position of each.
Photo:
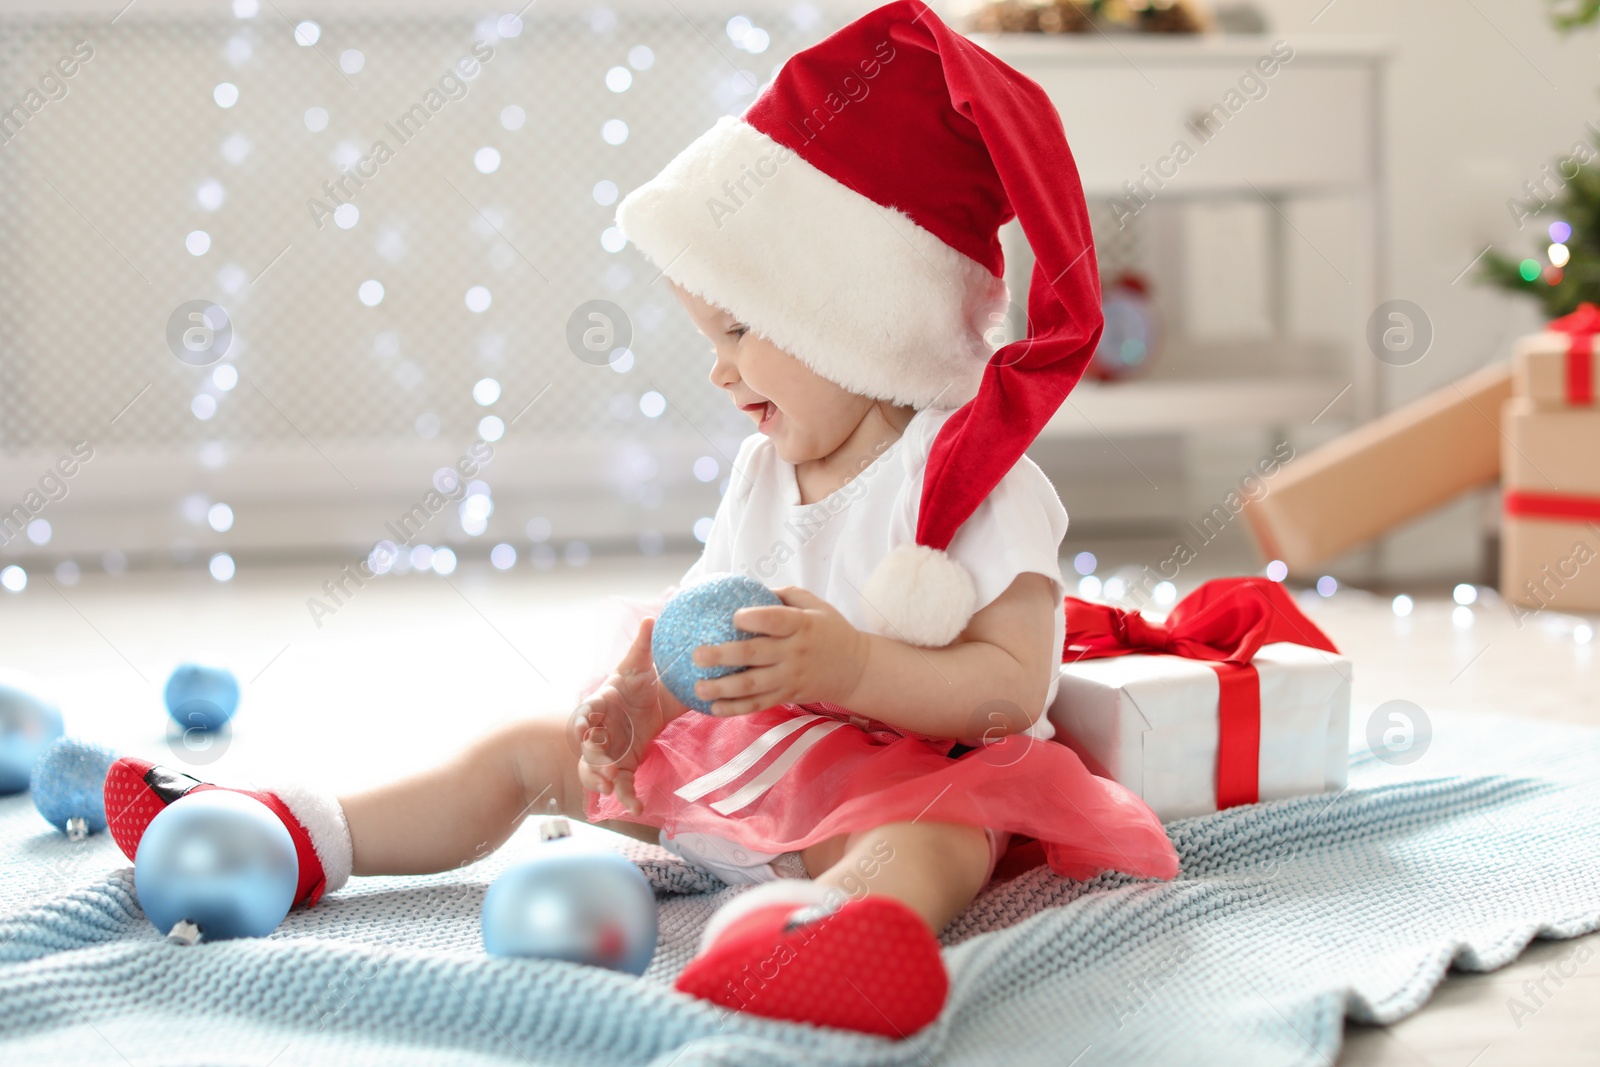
(1150, 722)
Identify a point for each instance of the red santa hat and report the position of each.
(851, 216)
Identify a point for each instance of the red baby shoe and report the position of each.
(870, 965)
(137, 790)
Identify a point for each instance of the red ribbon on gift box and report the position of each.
(1556, 507)
(1224, 622)
(1580, 326)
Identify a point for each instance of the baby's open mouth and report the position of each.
(765, 408)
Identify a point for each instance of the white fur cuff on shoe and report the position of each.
(319, 812)
(796, 891)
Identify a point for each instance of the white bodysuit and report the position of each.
(830, 547)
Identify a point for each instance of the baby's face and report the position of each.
(806, 416)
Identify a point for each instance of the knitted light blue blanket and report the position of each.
(1287, 917)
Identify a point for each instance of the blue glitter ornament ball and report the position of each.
(702, 614)
(28, 722)
(574, 901)
(69, 785)
(214, 865)
(200, 697)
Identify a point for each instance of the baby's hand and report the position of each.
(617, 723)
(807, 652)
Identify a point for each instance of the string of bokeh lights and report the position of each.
(211, 195)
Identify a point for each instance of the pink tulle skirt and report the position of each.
(791, 775)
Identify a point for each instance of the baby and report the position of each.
(885, 741)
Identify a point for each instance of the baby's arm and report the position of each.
(992, 678)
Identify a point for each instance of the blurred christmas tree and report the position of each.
(1568, 14)
(1565, 272)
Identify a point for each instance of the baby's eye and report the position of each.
(739, 331)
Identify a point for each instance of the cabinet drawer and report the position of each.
(1307, 128)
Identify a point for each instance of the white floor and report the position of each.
(406, 670)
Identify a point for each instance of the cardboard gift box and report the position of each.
(1391, 470)
(1550, 532)
(1256, 706)
(1555, 369)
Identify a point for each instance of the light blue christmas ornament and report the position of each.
(574, 901)
(200, 697)
(28, 722)
(702, 614)
(69, 786)
(213, 865)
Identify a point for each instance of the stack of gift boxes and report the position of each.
(1550, 471)
(1383, 474)
(1194, 717)
(1533, 426)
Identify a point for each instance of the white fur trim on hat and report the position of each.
(855, 290)
(920, 595)
(319, 812)
(797, 891)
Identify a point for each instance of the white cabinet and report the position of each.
(1248, 118)
(1308, 130)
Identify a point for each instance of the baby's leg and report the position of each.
(935, 869)
(462, 810)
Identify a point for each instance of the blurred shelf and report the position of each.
(1179, 406)
(1258, 117)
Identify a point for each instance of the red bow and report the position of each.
(1584, 319)
(1224, 619)
(1225, 622)
(1581, 325)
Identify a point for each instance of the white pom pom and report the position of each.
(920, 595)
